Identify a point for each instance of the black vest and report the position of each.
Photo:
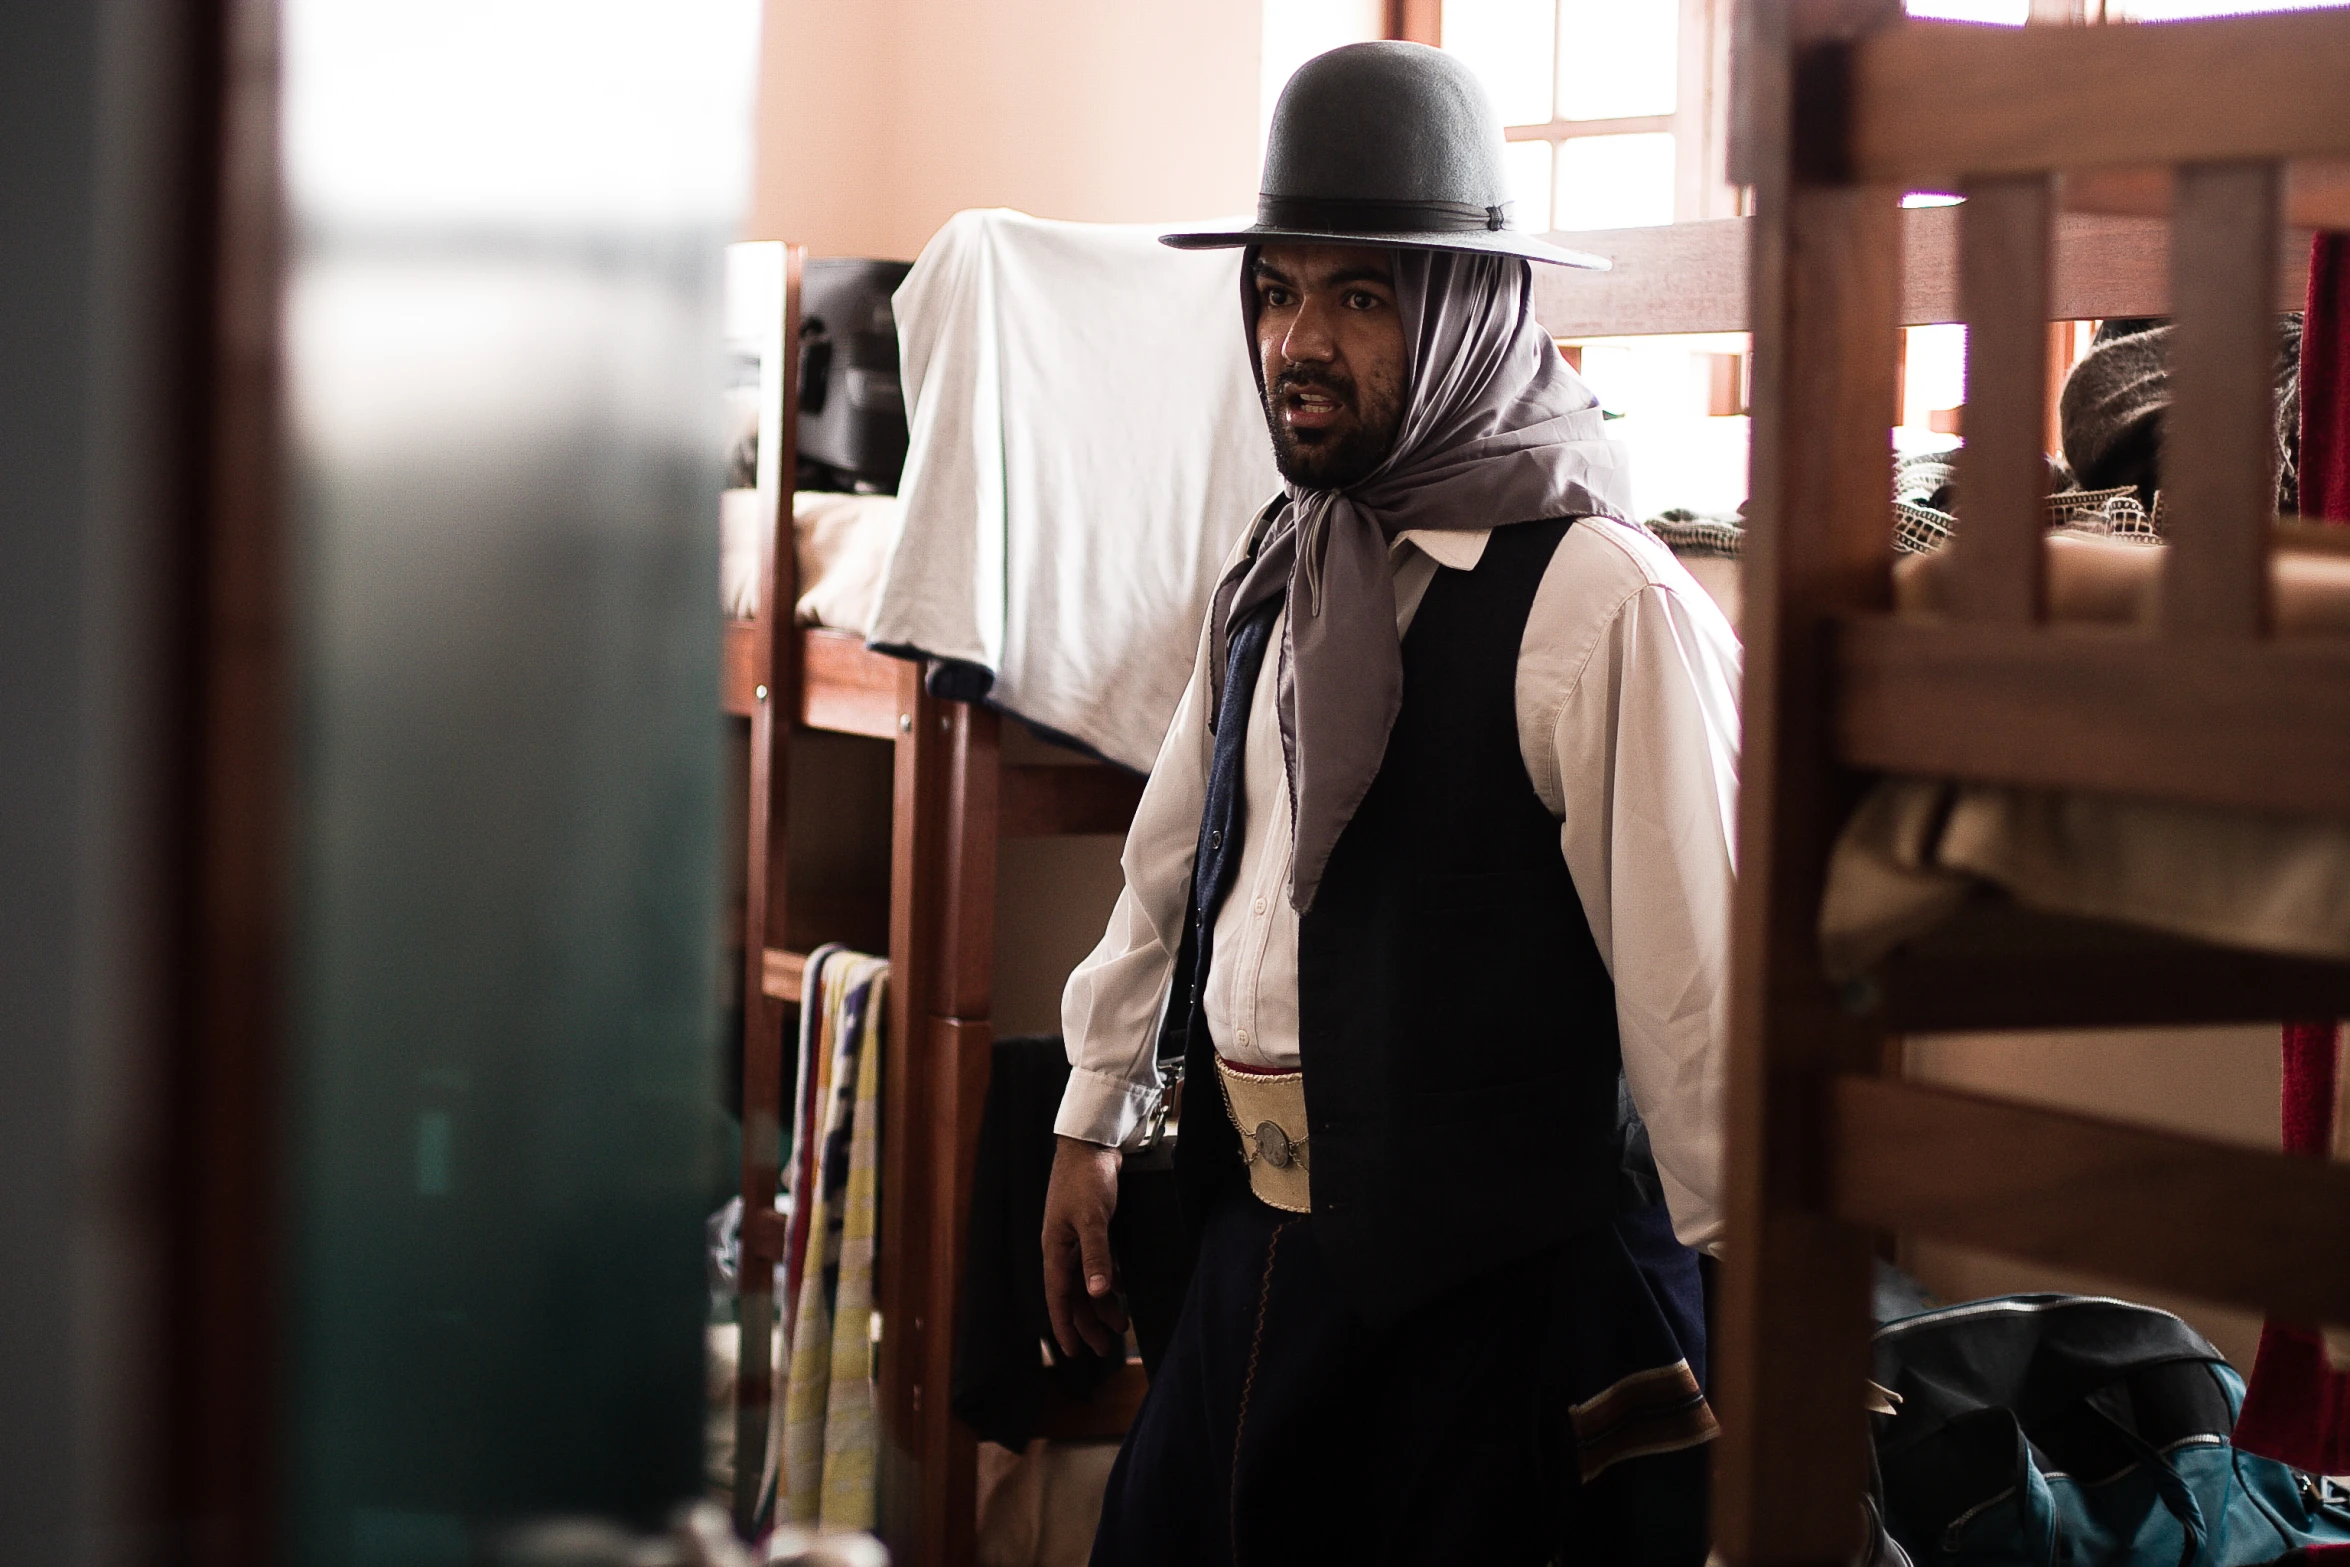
(1464, 1086)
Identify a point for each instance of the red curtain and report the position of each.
(2297, 1407)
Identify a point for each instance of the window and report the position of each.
(1614, 109)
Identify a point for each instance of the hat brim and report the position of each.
(1486, 242)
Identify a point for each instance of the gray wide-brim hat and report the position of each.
(1385, 144)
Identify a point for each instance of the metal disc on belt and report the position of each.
(1273, 1144)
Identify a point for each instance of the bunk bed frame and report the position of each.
(1845, 108)
(1826, 1152)
(954, 800)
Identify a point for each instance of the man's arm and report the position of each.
(1110, 1020)
(1645, 745)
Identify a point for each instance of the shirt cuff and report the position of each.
(1100, 1108)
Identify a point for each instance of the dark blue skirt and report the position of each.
(1552, 1409)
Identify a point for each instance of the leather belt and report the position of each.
(1268, 1109)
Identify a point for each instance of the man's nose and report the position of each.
(1309, 338)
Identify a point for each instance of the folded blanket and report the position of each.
(823, 1443)
(1916, 847)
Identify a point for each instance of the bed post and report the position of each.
(1793, 1331)
(766, 888)
(942, 943)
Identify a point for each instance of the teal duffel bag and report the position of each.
(2075, 1431)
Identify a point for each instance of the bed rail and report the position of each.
(2111, 244)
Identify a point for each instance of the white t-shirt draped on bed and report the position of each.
(1086, 445)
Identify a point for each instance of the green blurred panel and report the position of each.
(502, 330)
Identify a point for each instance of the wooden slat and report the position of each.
(2252, 726)
(2219, 438)
(1933, 104)
(737, 681)
(219, 835)
(2317, 195)
(1048, 801)
(903, 1262)
(847, 688)
(1688, 277)
(765, 1233)
(1416, 21)
(1102, 1418)
(766, 912)
(2233, 1225)
(1996, 560)
(1792, 1340)
(2104, 266)
(783, 974)
(1692, 277)
(958, 1057)
(963, 984)
(942, 900)
(1996, 966)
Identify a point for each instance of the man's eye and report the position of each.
(1361, 299)
(1275, 297)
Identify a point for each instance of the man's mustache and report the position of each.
(1299, 378)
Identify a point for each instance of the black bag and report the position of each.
(852, 407)
(2046, 1429)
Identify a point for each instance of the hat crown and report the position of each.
(1385, 122)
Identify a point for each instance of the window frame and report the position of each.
(1699, 123)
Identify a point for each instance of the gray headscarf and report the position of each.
(1496, 429)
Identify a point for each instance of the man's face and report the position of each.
(1331, 346)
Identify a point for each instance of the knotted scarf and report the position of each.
(1495, 430)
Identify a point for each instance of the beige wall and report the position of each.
(2221, 1083)
(879, 119)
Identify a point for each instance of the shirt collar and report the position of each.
(1458, 548)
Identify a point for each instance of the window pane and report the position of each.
(1933, 379)
(1618, 58)
(1614, 182)
(2006, 13)
(1508, 43)
(1527, 163)
(2181, 10)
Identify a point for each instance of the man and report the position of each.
(1431, 883)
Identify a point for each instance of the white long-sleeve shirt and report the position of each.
(1627, 708)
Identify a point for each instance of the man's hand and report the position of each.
(1079, 1278)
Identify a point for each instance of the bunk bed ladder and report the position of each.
(771, 677)
(1844, 108)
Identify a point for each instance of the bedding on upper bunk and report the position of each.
(1918, 848)
(1086, 445)
(841, 542)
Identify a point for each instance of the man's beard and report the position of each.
(1335, 458)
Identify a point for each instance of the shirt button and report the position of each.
(1260, 906)
(1242, 1038)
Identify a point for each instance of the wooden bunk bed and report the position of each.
(1822, 280)
(1845, 109)
(955, 799)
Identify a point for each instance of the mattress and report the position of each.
(1916, 849)
(842, 543)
